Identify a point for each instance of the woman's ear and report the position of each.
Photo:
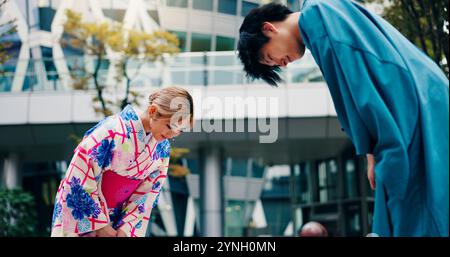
(268, 29)
(152, 110)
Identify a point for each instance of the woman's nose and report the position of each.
(171, 134)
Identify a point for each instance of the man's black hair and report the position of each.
(252, 39)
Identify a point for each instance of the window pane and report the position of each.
(332, 171)
(223, 77)
(239, 167)
(351, 181)
(30, 80)
(234, 218)
(202, 5)
(46, 15)
(154, 15)
(50, 68)
(353, 220)
(178, 3)
(193, 166)
(222, 60)
(275, 199)
(114, 14)
(197, 61)
(257, 170)
(224, 43)
(247, 7)
(178, 78)
(303, 183)
(238, 77)
(197, 78)
(322, 179)
(227, 6)
(182, 38)
(299, 75)
(200, 42)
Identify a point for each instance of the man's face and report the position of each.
(282, 48)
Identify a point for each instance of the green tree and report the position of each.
(131, 45)
(176, 169)
(6, 29)
(138, 47)
(423, 22)
(91, 39)
(17, 213)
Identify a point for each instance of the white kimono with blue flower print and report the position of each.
(117, 144)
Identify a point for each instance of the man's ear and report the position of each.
(268, 29)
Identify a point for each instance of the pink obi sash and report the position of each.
(117, 189)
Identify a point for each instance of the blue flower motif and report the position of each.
(116, 217)
(155, 203)
(140, 135)
(97, 178)
(156, 186)
(80, 201)
(141, 200)
(154, 174)
(141, 208)
(56, 212)
(139, 224)
(162, 150)
(103, 153)
(83, 226)
(128, 114)
(128, 130)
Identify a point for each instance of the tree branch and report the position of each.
(409, 7)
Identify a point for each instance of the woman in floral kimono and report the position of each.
(117, 171)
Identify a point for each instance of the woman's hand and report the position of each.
(371, 170)
(120, 233)
(106, 231)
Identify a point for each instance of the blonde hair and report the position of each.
(173, 100)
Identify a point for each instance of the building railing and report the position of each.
(184, 69)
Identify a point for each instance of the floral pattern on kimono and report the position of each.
(118, 144)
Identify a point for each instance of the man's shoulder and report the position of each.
(312, 8)
(311, 20)
(326, 5)
(310, 3)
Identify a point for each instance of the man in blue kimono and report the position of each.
(391, 100)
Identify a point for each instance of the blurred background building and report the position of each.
(236, 185)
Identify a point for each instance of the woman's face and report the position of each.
(164, 127)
